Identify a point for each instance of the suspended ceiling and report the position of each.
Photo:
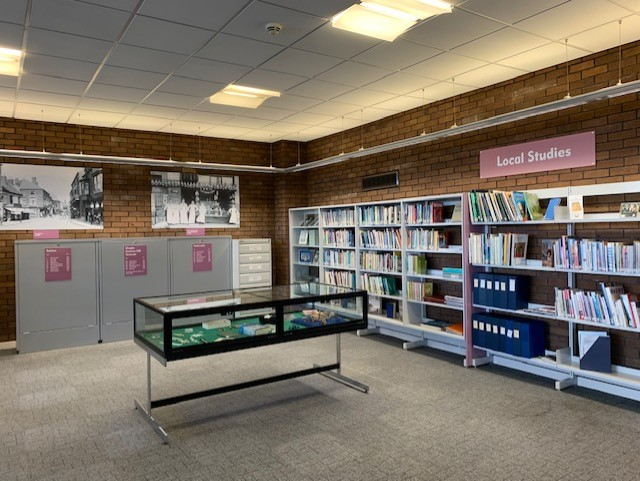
(152, 64)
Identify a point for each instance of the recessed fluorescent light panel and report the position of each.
(10, 61)
(240, 96)
(387, 19)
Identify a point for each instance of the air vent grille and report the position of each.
(380, 181)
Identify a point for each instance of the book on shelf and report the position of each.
(391, 309)
(456, 214)
(551, 207)
(629, 209)
(374, 305)
(455, 328)
(453, 301)
(438, 299)
(303, 237)
(519, 243)
(546, 254)
(533, 206)
(437, 210)
(305, 256)
(521, 205)
(310, 220)
(576, 206)
(316, 256)
(452, 272)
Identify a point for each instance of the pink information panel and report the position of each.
(202, 256)
(57, 264)
(135, 260)
(46, 234)
(567, 152)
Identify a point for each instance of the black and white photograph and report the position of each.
(181, 199)
(34, 197)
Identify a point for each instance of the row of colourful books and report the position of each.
(501, 249)
(379, 285)
(338, 217)
(380, 214)
(340, 278)
(429, 239)
(339, 258)
(591, 254)
(501, 206)
(381, 238)
(377, 261)
(424, 213)
(339, 237)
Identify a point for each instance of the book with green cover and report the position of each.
(533, 206)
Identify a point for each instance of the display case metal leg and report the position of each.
(146, 410)
(368, 331)
(565, 383)
(408, 345)
(339, 377)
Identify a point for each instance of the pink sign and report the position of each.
(46, 234)
(568, 152)
(195, 231)
(202, 256)
(57, 264)
(135, 260)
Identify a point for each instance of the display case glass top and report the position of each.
(189, 325)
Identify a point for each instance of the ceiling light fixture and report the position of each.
(10, 61)
(387, 19)
(242, 96)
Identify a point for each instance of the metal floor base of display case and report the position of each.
(330, 371)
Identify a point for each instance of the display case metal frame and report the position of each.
(303, 295)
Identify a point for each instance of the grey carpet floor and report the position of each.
(68, 415)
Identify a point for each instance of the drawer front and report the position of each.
(253, 247)
(255, 278)
(255, 258)
(255, 267)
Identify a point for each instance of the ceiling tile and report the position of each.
(396, 55)
(59, 67)
(45, 83)
(187, 86)
(333, 108)
(142, 122)
(509, 11)
(78, 18)
(238, 50)
(363, 97)
(501, 44)
(247, 122)
(400, 83)
(325, 8)
(266, 79)
(168, 113)
(451, 30)
(165, 99)
(11, 35)
(8, 81)
(290, 102)
(551, 54)
(565, 20)
(226, 132)
(6, 108)
(608, 35)
(96, 117)
(319, 89)
(308, 118)
(354, 74)
(148, 59)
(631, 5)
(251, 23)
(313, 133)
(401, 103)
(205, 119)
(186, 128)
(167, 36)
(445, 90)
(59, 44)
(370, 114)
(126, 77)
(445, 66)
(209, 14)
(46, 99)
(211, 71)
(285, 127)
(262, 136)
(7, 93)
(128, 5)
(13, 11)
(299, 62)
(35, 112)
(114, 92)
(342, 123)
(105, 105)
(487, 75)
(336, 43)
(272, 114)
(219, 108)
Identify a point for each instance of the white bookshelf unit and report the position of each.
(601, 225)
(374, 245)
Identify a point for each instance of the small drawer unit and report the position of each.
(251, 263)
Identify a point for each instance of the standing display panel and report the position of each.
(56, 294)
(130, 268)
(199, 264)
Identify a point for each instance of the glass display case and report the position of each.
(190, 325)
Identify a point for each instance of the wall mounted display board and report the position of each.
(183, 199)
(191, 269)
(56, 309)
(42, 197)
(130, 268)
